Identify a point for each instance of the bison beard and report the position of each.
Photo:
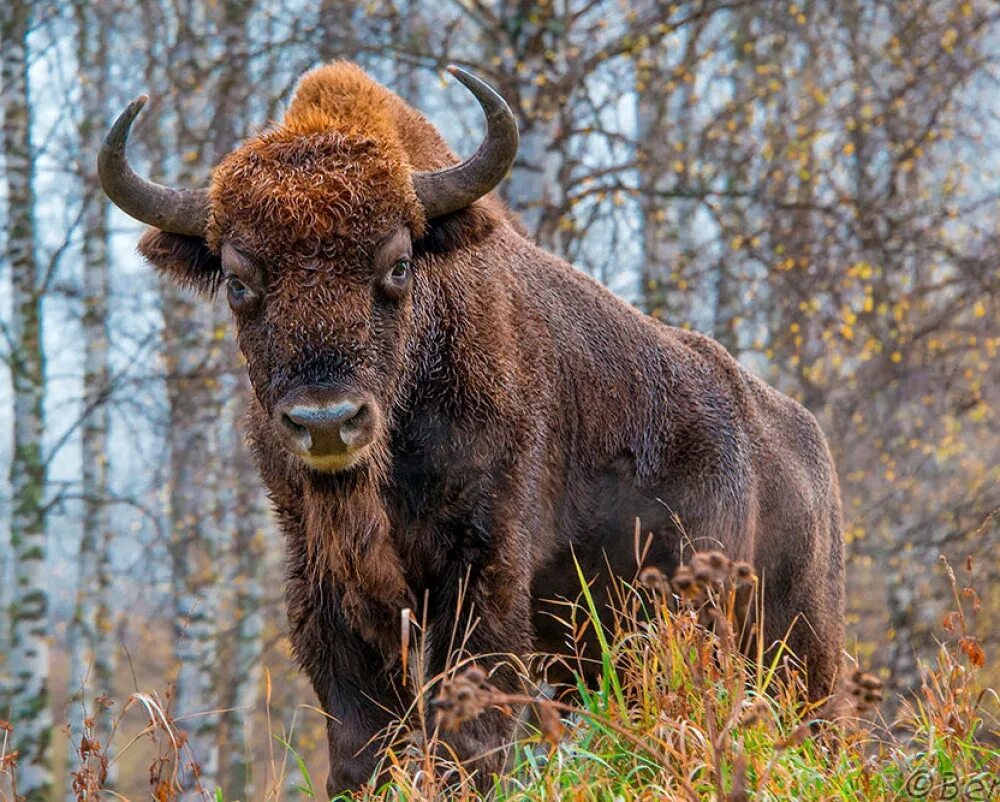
(526, 416)
(349, 544)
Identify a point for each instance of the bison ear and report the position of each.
(185, 259)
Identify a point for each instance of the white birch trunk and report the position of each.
(192, 365)
(536, 189)
(91, 630)
(26, 688)
(249, 525)
(533, 189)
(669, 288)
(200, 362)
(660, 263)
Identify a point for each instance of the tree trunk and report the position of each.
(200, 360)
(535, 46)
(91, 630)
(192, 369)
(190, 362)
(26, 686)
(666, 289)
(245, 580)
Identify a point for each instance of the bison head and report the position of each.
(311, 229)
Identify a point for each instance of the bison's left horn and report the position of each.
(454, 188)
(179, 211)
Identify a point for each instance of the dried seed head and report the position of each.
(462, 698)
(475, 675)
(712, 569)
(704, 576)
(754, 713)
(709, 616)
(718, 561)
(865, 690)
(654, 580)
(720, 589)
(683, 581)
(870, 682)
(796, 737)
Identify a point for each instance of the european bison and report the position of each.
(439, 403)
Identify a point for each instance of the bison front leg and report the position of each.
(358, 688)
(495, 620)
(357, 722)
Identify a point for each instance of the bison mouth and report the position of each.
(329, 430)
(334, 463)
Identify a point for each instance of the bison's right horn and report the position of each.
(454, 188)
(179, 211)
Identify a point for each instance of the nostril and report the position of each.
(354, 417)
(298, 431)
(353, 428)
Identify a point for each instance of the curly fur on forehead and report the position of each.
(336, 168)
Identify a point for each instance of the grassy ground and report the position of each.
(681, 713)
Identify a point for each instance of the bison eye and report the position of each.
(238, 292)
(400, 271)
(396, 283)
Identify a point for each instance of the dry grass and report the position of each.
(681, 712)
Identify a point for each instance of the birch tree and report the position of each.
(531, 53)
(665, 121)
(26, 691)
(244, 577)
(206, 85)
(91, 630)
(189, 361)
